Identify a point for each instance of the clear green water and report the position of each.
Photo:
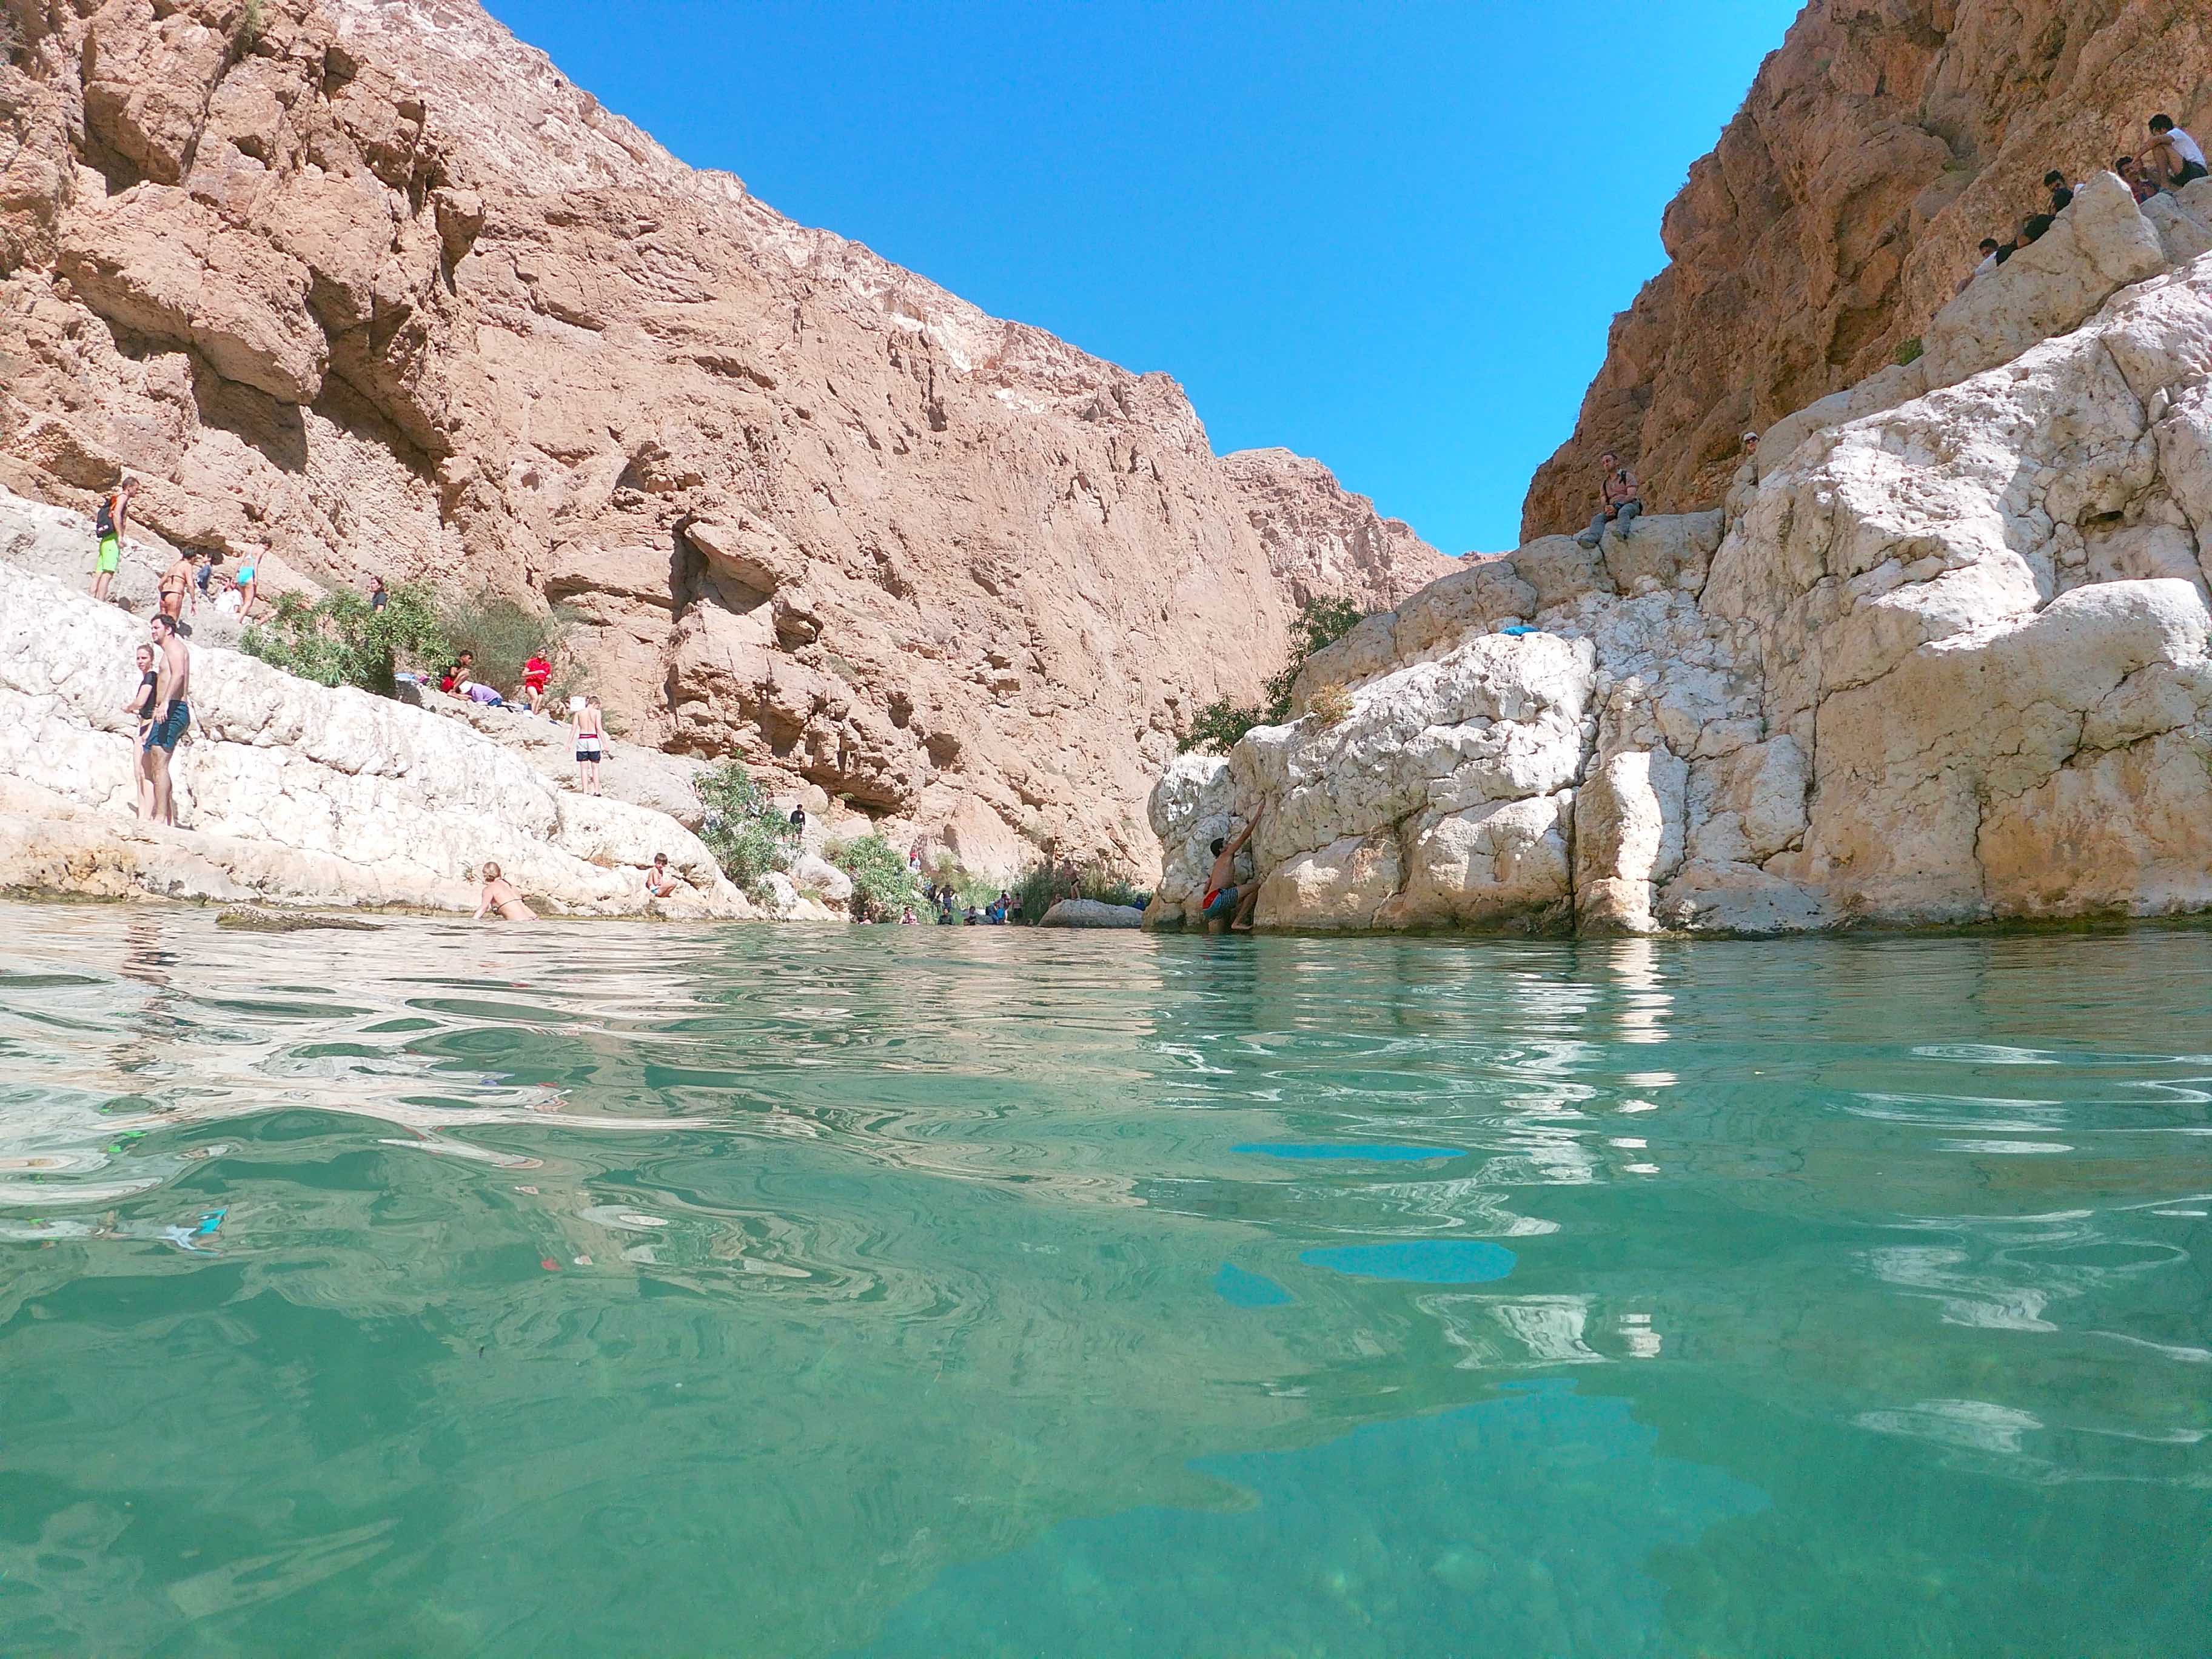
(922, 1292)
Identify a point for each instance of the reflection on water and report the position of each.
(622, 1289)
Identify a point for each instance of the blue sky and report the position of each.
(1389, 235)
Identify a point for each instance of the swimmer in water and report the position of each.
(499, 894)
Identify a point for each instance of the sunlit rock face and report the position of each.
(1942, 658)
(290, 792)
(375, 288)
(1842, 204)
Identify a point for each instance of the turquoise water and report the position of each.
(604, 1290)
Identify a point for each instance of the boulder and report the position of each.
(1091, 913)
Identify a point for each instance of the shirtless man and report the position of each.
(177, 587)
(109, 527)
(1224, 898)
(172, 713)
(499, 894)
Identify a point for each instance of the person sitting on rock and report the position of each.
(1224, 900)
(2062, 193)
(499, 894)
(109, 526)
(2141, 186)
(535, 675)
(660, 881)
(1621, 499)
(2172, 158)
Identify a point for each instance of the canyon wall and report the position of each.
(1943, 654)
(1843, 203)
(367, 286)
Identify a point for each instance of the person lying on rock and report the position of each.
(1224, 900)
(660, 881)
(1621, 499)
(172, 713)
(109, 526)
(2172, 158)
(1989, 263)
(499, 894)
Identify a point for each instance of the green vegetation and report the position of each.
(340, 641)
(747, 836)
(882, 886)
(1046, 884)
(1217, 726)
(251, 25)
(502, 635)
(1909, 351)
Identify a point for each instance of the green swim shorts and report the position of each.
(111, 556)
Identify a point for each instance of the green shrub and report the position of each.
(1909, 351)
(251, 25)
(882, 886)
(743, 829)
(1045, 885)
(340, 640)
(502, 635)
(1219, 725)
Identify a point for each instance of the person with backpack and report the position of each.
(109, 526)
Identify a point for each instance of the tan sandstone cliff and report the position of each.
(367, 283)
(1944, 655)
(1875, 149)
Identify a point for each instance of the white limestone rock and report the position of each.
(290, 792)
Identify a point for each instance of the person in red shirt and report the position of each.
(535, 674)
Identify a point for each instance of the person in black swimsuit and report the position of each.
(140, 706)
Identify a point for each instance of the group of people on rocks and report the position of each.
(2172, 161)
(193, 576)
(1006, 910)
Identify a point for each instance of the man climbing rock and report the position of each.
(1620, 498)
(1224, 900)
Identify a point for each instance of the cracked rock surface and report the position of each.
(1942, 658)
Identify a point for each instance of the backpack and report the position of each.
(103, 522)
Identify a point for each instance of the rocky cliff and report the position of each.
(1876, 147)
(294, 793)
(1942, 656)
(368, 285)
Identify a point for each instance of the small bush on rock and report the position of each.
(749, 838)
(882, 886)
(1330, 705)
(1909, 351)
(1219, 725)
(340, 640)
